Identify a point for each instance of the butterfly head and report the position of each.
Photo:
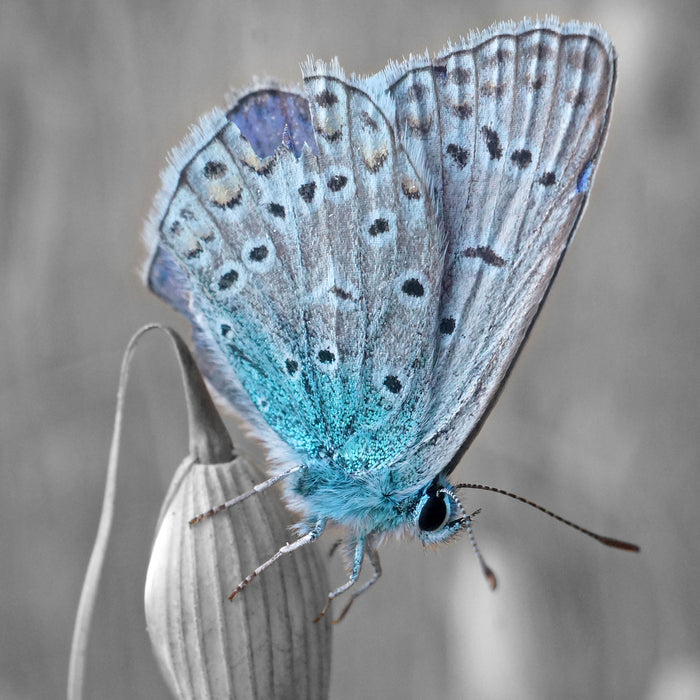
(438, 515)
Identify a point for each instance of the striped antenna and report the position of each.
(609, 541)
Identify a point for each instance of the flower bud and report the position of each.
(262, 644)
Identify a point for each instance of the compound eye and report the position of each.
(434, 513)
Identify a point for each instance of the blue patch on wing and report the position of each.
(169, 281)
(263, 115)
(584, 179)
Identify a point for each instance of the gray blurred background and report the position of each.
(599, 420)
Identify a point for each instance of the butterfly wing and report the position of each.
(311, 274)
(361, 299)
(510, 123)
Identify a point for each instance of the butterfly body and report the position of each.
(363, 259)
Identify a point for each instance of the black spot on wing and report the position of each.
(485, 253)
(416, 92)
(368, 121)
(420, 126)
(522, 158)
(326, 356)
(458, 154)
(337, 182)
(326, 98)
(447, 326)
(227, 281)
(330, 136)
(378, 226)
(462, 110)
(460, 76)
(493, 143)
(195, 251)
(259, 253)
(276, 210)
(413, 288)
(214, 169)
(307, 191)
(292, 366)
(392, 383)
(341, 293)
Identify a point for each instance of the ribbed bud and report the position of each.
(264, 643)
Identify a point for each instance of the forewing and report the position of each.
(511, 123)
(305, 271)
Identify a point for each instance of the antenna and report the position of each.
(609, 541)
(466, 520)
(485, 568)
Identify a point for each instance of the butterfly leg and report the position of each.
(356, 567)
(256, 489)
(373, 556)
(309, 537)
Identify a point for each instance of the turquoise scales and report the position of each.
(362, 261)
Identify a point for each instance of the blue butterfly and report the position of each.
(362, 259)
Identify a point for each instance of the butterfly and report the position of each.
(362, 259)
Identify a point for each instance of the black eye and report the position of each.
(434, 513)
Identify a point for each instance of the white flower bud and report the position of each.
(264, 643)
